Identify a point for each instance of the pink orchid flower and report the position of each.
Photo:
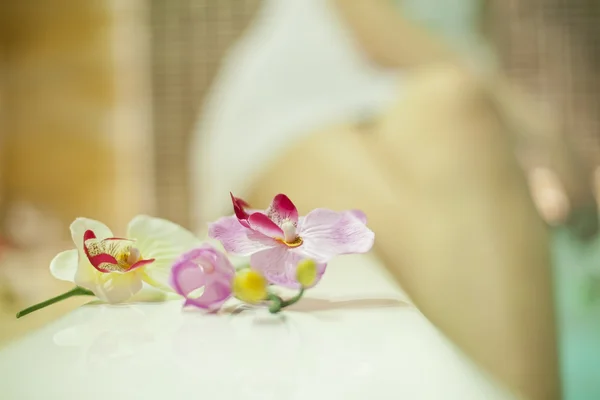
(278, 238)
(203, 276)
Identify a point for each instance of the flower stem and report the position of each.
(278, 303)
(76, 291)
(242, 267)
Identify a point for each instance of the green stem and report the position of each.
(277, 303)
(242, 267)
(76, 291)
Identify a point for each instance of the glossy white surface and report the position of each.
(355, 337)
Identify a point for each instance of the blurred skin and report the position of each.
(438, 176)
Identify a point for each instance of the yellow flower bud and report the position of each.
(306, 272)
(250, 286)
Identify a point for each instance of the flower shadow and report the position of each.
(309, 304)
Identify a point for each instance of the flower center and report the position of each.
(134, 256)
(289, 231)
(126, 256)
(296, 243)
(112, 254)
(290, 237)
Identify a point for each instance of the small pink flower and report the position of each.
(203, 276)
(278, 238)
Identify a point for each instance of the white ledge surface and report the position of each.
(355, 337)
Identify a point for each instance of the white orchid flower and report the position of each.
(114, 269)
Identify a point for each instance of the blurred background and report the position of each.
(99, 100)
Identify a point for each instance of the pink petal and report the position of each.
(207, 254)
(259, 222)
(241, 201)
(281, 209)
(362, 217)
(278, 265)
(239, 206)
(237, 239)
(190, 273)
(328, 233)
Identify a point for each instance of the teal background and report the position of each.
(577, 297)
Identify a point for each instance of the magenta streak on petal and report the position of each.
(242, 203)
(238, 208)
(282, 208)
(97, 260)
(259, 222)
(100, 259)
(141, 263)
(244, 223)
(89, 234)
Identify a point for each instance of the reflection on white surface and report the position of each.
(108, 336)
(355, 337)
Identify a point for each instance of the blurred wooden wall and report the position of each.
(189, 40)
(552, 48)
(76, 135)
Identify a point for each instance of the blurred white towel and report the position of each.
(296, 70)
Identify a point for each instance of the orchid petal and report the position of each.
(237, 239)
(278, 265)
(81, 225)
(162, 241)
(141, 263)
(102, 253)
(327, 233)
(261, 223)
(282, 209)
(207, 255)
(239, 206)
(116, 287)
(206, 268)
(64, 265)
(86, 275)
(361, 216)
(97, 260)
(112, 287)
